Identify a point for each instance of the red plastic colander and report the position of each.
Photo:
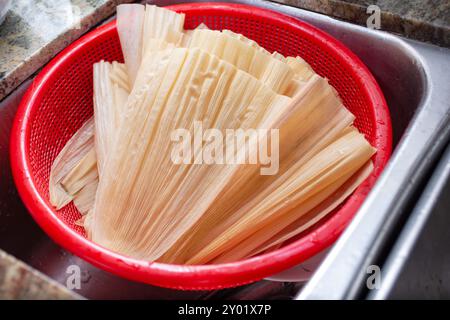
(60, 100)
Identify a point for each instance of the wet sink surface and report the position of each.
(398, 68)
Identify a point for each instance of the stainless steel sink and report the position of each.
(418, 266)
(412, 76)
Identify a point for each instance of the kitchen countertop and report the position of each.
(18, 281)
(35, 30)
(423, 20)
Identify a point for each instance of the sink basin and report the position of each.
(407, 74)
(418, 266)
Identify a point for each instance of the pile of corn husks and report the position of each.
(118, 169)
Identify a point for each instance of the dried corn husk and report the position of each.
(207, 108)
(163, 24)
(84, 200)
(323, 119)
(111, 90)
(130, 19)
(74, 159)
(309, 186)
(319, 212)
(74, 174)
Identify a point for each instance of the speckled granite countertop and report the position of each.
(424, 20)
(18, 281)
(35, 30)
